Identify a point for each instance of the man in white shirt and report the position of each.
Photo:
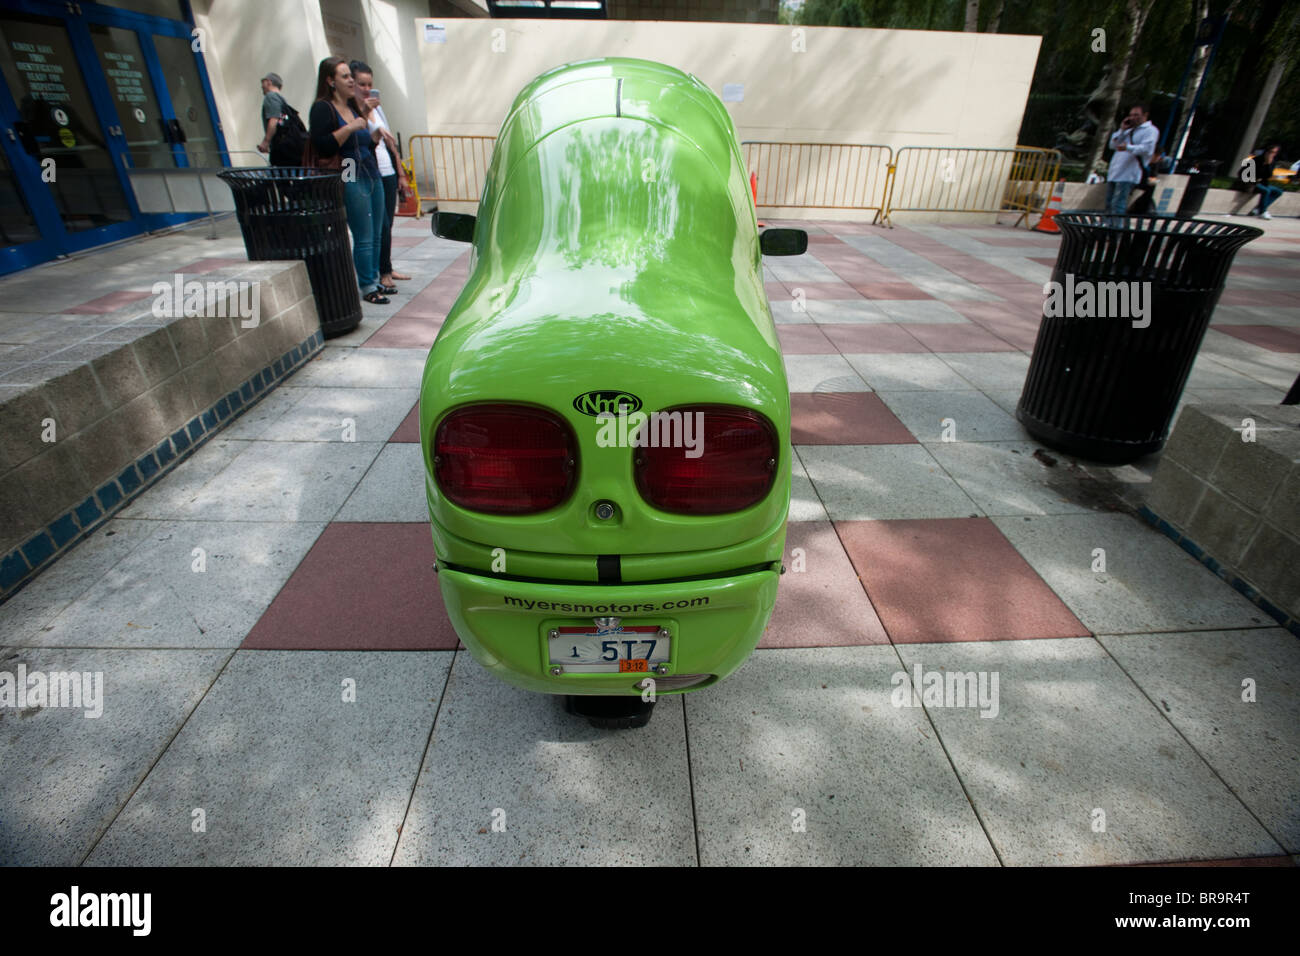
(1133, 142)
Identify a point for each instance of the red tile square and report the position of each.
(822, 290)
(978, 311)
(1026, 240)
(820, 601)
(1266, 272)
(844, 418)
(804, 340)
(942, 580)
(848, 228)
(948, 337)
(1272, 337)
(1259, 297)
(777, 292)
(367, 587)
(409, 430)
(1019, 332)
(108, 303)
(871, 338)
(211, 264)
(890, 290)
(404, 331)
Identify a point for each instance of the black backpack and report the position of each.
(289, 140)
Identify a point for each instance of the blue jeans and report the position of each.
(364, 200)
(1117, 197)
(1267, 195)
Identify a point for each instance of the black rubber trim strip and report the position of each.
(522, 579)
(608, 569)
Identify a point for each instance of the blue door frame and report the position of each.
(55, 240)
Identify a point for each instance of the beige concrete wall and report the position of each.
(825, 84)
(246, 39)
(796, 84)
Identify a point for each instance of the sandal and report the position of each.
(376, 298)
(387, 289)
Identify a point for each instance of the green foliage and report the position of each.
(1068, 69)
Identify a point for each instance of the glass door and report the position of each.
(138, 114)
(22, 242)
(60, 128)
(88, 92)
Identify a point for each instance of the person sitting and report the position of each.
(1257, 170)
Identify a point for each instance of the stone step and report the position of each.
(92, 416)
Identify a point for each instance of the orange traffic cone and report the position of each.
(1053, 207)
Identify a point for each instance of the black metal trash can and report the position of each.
(1198, 186)
(1102, 385)
(288, 212)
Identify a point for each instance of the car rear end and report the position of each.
(604, 415)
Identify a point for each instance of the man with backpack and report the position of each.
(285, 133)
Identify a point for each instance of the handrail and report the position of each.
(177, 182)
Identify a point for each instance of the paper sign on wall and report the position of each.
(733, 92)
(435, 33)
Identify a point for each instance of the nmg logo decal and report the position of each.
(607, 402)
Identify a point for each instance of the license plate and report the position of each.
(633, 649)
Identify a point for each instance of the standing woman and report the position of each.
(338, 129)
(386, 155)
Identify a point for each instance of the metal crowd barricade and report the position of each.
(820, 175)
(450, 168)
(970, 180)
(180, 189)
(1034, 173)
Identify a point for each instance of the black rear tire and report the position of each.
(611, 713)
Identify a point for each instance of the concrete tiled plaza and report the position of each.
(1119, 692)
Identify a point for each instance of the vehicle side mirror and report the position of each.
(456, 226)
(783, 242)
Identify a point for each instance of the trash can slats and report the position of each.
(1105, 386)
(288, 212)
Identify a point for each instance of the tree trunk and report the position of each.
(1247, 144)
(1136, 15)
(1177, 139)
(972, 16)
(995, 20)
(1260, 19)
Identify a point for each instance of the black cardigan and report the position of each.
(324, 120)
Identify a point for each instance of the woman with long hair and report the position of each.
(386, 155)
(338, 128)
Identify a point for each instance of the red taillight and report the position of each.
(504, 459)
(735, 467)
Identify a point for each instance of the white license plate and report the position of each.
(620, 650)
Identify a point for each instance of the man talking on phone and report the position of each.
(1133, 142)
